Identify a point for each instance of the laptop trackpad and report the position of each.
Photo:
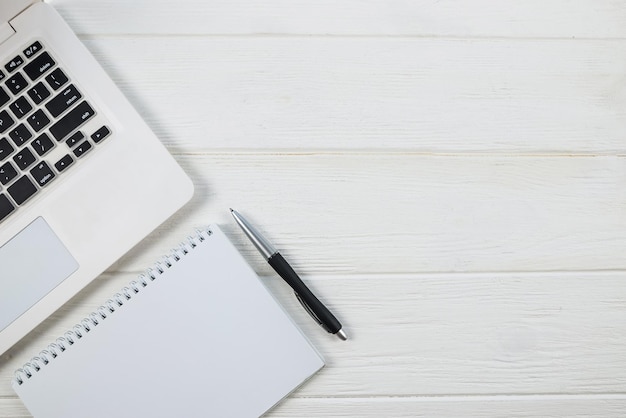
(32, 263)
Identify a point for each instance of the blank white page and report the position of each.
(205, 338)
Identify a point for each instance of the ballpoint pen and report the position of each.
(311, 304)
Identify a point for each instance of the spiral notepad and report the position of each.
(196, 335)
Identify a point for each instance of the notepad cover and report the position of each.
(204, 338)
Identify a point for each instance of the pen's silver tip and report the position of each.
(342, 335)
(231, 210)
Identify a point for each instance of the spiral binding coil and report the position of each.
(71, 337)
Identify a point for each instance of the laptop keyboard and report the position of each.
(41, 115)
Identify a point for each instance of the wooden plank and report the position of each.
(416, 408)
(395, 213)
(436, 334)
(13, 408)
(606, 406)
(424, 95)
(477, 18)
(470, 407)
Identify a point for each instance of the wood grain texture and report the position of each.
(424, 95)
(457, 18)
(394, 213)
(434, 335)
(479, 407)
(13, 408)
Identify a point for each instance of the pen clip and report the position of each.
(308, 309)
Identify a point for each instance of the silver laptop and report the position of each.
(82, 178)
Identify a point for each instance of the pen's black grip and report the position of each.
(285, 271)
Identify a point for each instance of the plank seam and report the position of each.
(436, 275)
(475, 398)
(176, 150)
(278, 35)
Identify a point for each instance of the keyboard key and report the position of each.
(39, 66)
(83, 148)
(42, 173)
(6, 207)
(56, 79)
(72, 121)
(20, 107)
(20, 135)
(24, 159)
(100, 134)
(22, 190)
(32, 50)
(42, 144)
(39, 93)
(38, 120)
(55, 110)
(6, 121)
(4, 97)
(7, 173)
(63, 101)
(16, 83)
(14, 64)
(6, 149)
(75, 139)
(63, 163)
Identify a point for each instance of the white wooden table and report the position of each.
(449, 176)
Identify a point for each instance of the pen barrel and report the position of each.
(280, 265)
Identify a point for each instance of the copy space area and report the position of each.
(449, 177)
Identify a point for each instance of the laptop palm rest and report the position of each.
(32, 263)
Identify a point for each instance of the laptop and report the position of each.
(82, 178)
